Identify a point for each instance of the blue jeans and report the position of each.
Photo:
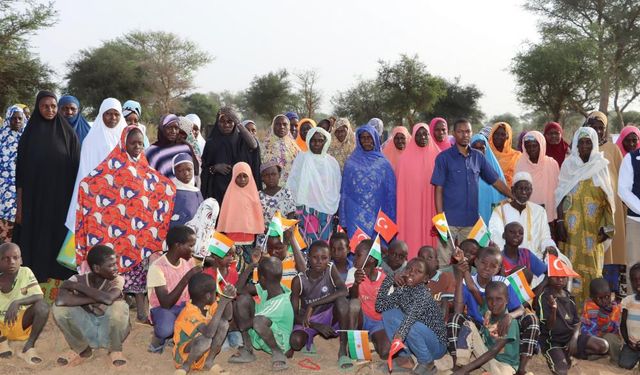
(164, 319)
(421, 341)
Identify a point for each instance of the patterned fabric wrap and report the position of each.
(9, 140)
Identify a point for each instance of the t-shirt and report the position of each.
(163, 273)
(597, 322)
(442, 285)
(367, 291)
(288, 271)
(475, 311)
(98, 308)
(525, 259)
(632, 305)
(566, 318)
(185, 330)
(25, 285)
(280, 311)
(510, 353)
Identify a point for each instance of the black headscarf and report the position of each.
(46, 168)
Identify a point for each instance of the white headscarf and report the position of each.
(196, 120)
(575, 170)
(315, 179)
(96, 146)
(204, 224)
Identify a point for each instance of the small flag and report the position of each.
(279, 224)
(440, 222)
(297, 237)
(520, 285)
(376, 250)
(340, 229)
(385, 226)
(357, 237)
(558, 268)
(480, 233)
(220, 244)
(396, 346)
(359, 345)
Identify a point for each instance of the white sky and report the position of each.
(343, 40)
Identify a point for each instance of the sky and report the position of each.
(342, 40)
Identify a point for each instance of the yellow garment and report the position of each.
(185, 330)
(302, 143)
(15, 332)
(25, 285)
(282, 150)
(341, 150)
(616, 254)
(508, 157)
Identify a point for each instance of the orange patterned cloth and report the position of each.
(597, 321)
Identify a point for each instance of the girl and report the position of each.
(188, 196)
(10, 133)
(274, 197)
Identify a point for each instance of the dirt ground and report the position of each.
(52, 343)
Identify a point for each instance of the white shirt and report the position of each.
(625, 184)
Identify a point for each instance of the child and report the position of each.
(291, 263)
(188, 196)
(601, 317)
(23, 312)
(319, 303)
(410, 314)
(630, 323)
(494, 352)
(442, 285)
(560, 337)
(167, 282)
(396, 258)
(265, 325)
(274, 197)
(514, 256)
(91, 312)
(198, 336)
(470, 248)
(225, 267)
(364, 282)
(339, 243)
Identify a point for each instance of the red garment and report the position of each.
(445, 144)
(559, 151)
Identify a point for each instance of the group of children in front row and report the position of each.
(284, 298)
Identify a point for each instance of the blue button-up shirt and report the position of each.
(459, 175)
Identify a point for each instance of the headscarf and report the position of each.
(79, 124)
(197, 122)
(9, 139)
(368, 185)
(544, 174)
(626, 131)
(416, 194)
(487, 194)
(559, 151)
(575, 170)
(314, 180)
(132, 106)
(185, 125)
(390, 151)
(292, 115)
(445, 143)
(508, 157)
(160, 154)
(162, 140)
(182, 158)
(100, 141)
(204, 224)
(342, 150)
(283, 150)
(124, 204)
(377, 124)
(241, 210)
(302, 144)
(519, 143)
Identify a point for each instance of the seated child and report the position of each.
(560, 336)
(167, 282)
(201, 327)
(514, 256)
(470, 249)
(340, 253)
(494, 351)
(265, 325)
(411, 315)
(188, 197)
(320, 306)
(23, 312)
(630, 322)
(601, 316)
(226, 267)
(364, 282)
(442, 285)
(91, 312)
(396, 258)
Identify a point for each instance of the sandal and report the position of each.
(344, 363)
(311, 352)
(5, 349)
(71, 359)
(31, 356)
(242, 356)
(156, 349)
(117, 359)
(278, 362)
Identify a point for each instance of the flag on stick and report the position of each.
(558, 268)
(440, 222)
(219, 245)
(359, 345)
(357, 237)
(279, 224)
(480, 233)
(520, 285)
(396, 346)
(385, 226)
(375, 252)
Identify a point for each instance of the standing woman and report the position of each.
(585, 201)
(343, 141)
(500, 140)
(368, 185)
(314, 182)
(628, 139)
(197, 130)
(171, 142)
(132, 113)
(440, 133)
(10, 134)
(228, 143)
(279, 146)
(46, 168)
(488, 196)
(304, 126)
(557, 147)
(400, 137)
(69, 107)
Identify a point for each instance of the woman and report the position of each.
(488, 196)
(46, 168)
(585, 204)
(279, 146)
(439, 133)
(228, 144)
(342, 141)
(10, 134)
(500, 140)
(543, 169)
(132, 113)
(393, 150)
(368, 185)
(416, 195)
(628, 139)
(304, 126)
(314, 182)
(197, 130)
(70, 109)
(169, 144)
(557, 147)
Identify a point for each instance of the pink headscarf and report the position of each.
(445, 144)
(623, 134)
(391, 152)
(241, 211)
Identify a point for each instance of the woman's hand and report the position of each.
(222, 168)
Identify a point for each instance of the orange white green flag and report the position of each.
(480, 233)
(440, 222)
(359, 345)
(220, 244)
(518, 282)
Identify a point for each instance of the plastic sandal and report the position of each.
(30, 357)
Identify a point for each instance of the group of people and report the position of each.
(98, 205)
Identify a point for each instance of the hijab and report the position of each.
(626, 131)
(302, 144)
(195, 119)
(445, 143)
(342, 150)
(130, 107)
(241, 210)
(183, 158)
(508, 157)
(186, 126)
(78, 123)
(204, 224)
(282, 150)
(519, 143)
(487, 194)
(559, 151)
(390, 151)
(378, 125)
(9, 139)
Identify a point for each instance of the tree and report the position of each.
(269, 94)
(204, 105)
(308, 92)
(459, 101)
(360, 103)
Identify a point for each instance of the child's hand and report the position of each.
(307, 317)
(398, 279)
(325, 330)
(458, 255)
(256, 255)
(503, 325)
(288, 235)
(229, 291)
(359, 276)
(551, 250)
(11, 316)
(553, 303)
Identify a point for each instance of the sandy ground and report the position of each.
(52, 343)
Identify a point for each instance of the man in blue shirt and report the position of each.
(455, 176)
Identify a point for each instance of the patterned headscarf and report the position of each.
(342, 150)
(283, 150)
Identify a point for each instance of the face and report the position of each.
(341, 133)
(27, 112)
(429, 256)
(280, 126)
(558, 282)
(69, 110)
(132, 119)
(111, 118)
(440, 131)
(11, 260)
(319, 259)
(499, 137)
(317, 143)
(339, 250)
(553, 136)
(276, 248)
(326, 125)
(185, 249)
(251, 127)
(479, 145)
(533, 149)
(635, 281)
(470, 251)
(16, 121)
(135, 144)
(599, 127)
(107, 270)
(184, 172)
(630, 142)
(462, 133)
(415, 273)
(182, 136)
(488, 266)
(396, 256)
(361, 254)
(293, 128)
(366, 141)
(195, 131)
(171, 131)
(242, 179)
(304, 129)
(496, 301)
(226, 261)
(226, 124)
(422, 137)
(602, 298)
(522, 190)
(513, 235)
(48, 107)
(400, 141)
(271, 177)
(584, 148)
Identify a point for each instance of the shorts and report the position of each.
(15, 332)
(557, 354)
(371, 325)
(280, 312)
(325, 317)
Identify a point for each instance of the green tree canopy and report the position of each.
(269, 94)
(459, 101)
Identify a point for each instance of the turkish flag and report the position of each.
(339, 229)
(385, 226)
(357, 237)
(558, 268)
(396, 346)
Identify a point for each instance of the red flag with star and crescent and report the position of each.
(396, 346)
(385, 226)
(559, 268)
(358, 236)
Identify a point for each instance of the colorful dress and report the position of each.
(282, 150)
(9, 139)
(509, 156)
(341, 150)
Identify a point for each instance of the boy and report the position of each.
(167, 282)
(91, 312)
(601, 317)
(396, 258)
(364, 282)
(470, 248)
(23, 312)
(495, 352)
(199, 336)
(442, 285)
(630, 322)
(514, 256)
(265, 325)
(340, 254)
(291, 263)
(319, 304)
